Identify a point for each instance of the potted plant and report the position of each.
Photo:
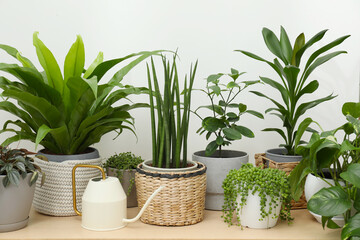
(182, 200)
(18, 173)
(256, 196)
(333, 199)
(66, 113)
(294, 84)
(222, 124)
(123, 166)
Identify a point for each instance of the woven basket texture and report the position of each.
(180, 203)
(55, 196)
(261, 160)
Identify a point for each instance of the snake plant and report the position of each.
(292, 85)
(66, 112)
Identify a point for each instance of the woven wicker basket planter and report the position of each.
(287, 167)
(55, 196)
(180, 203)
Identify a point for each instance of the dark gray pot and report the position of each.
(92, 153)
(125, 176)
(217, 169)
(15, 204)
(278, 155)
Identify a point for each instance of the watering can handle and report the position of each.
(73, 182)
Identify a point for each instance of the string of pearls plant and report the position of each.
(249, 179)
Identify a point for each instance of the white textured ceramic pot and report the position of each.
(250, 213)
(217, 169)
(279, 155)
(147, 165)
(15, 204)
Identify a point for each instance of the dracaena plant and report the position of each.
(16, 164)
(66, 112)
(225, 111)
(170, 123)
(342, 159)
(294, 80)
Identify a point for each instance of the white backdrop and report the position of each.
(205, 30)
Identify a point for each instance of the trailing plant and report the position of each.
(225, 113)
(169, 127)
(66, 113)
(16, 164)
(121, 162)
(342, 159)
(294, 84)
(239, 183)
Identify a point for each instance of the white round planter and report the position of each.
(250, 213)
(147, 166)
(15, 204)
(217, 169)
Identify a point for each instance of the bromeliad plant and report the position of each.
(239, 183)
(223, 121)
(343, 161)
(294, 83)
(66, 113)
(16, 164)
(170, 126)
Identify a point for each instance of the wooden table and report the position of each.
(212, 227)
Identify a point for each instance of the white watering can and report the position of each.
(104, 203)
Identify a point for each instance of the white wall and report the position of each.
(205, 30)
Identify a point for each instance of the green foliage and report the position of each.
(249, 180)
(294, 83)
(169, 137)
(225, 114)
(66, 113)
(123, 161)
(342, 158)
(16, 164)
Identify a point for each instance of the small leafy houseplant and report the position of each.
(342, 159)
(225, 111)
(15, 164)
(294, 83)
(272, 189)
(170, 124)
(121, 162)
(66, 112)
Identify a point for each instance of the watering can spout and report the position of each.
(144, 207)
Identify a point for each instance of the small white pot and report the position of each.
(250, 213)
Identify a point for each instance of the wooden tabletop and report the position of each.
(212, 227)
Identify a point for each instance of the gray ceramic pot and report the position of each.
(278, 155)
(91, 153)
(217, 169)
(125, 177)
(15, 204)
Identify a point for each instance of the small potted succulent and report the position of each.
(123, 166)
(65, 112)
(330, 174)
(222, 128)
(293, 84)
(258, 197)
(182, 200)
(18, 175)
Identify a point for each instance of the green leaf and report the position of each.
(15, 54)
(357, 200)
(99, 59)
(351, 108)
(273, 44)
(281, 108)
(219, 140)
(213, 78)
(301, 129)
(21, 166)
(291, 74)
(297, 178)
(255, 113)
(211, 148)
(351, 228)
(212, 124)
(41, 134)
(242, 107)
(216, 89)
(14, 176)
(245, 131)
(234, 71)
(232, 133)
(216, 108)
(330, 201)
(48, 62)
(231, 115)
(75, 60)
(299, 43)
(33, 178)
(284, 93)
(329, 223)
(285, 45)
(310, 88)
(93, 84)
(352, 174)
(232, 85)
(279, 131)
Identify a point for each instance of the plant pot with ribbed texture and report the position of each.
(180, 203)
